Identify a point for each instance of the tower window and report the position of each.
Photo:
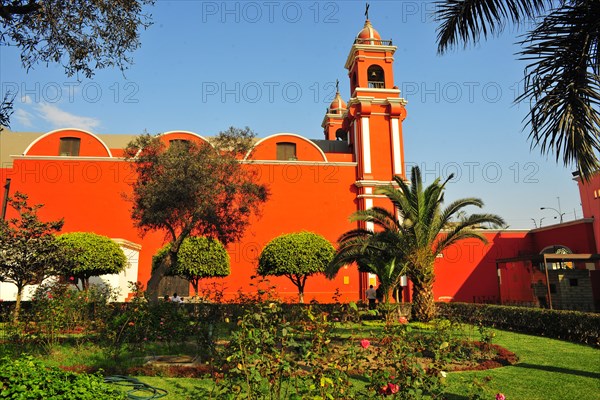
(286, 151)
(375, 77)
(69, 146)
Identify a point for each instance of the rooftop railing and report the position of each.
(377, 42)
(376, 85)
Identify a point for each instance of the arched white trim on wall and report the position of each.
(286, 134)
(68, 129)
(185, 132)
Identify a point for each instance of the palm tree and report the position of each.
(413, 236)
(562, 79)
(424, 222)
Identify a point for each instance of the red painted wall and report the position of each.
(589, 193)
(308, 194)
(577, 236)
(89, 194)
(467, 271)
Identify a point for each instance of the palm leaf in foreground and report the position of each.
(467, 20)
(563, 84)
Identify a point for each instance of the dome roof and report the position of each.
(368, 32)
(338, 105)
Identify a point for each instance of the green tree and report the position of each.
(420, 229)
(29, 251)
(296, 256)
(91, 255)
(81, 35)
(562, 79)
(198, 258)
(189, 189)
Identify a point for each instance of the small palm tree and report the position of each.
(562, 81)
(379, 253)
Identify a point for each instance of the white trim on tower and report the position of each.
(368, 205)
(366, 145)
(355, 141)
(396, 153)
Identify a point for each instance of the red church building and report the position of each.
(315, 185)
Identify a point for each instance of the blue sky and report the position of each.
(272, 65)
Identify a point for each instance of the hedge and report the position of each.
(573, 326)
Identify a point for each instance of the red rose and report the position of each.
(393, 388)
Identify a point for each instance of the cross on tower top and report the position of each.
(367, 10)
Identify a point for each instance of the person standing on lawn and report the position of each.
(371, 295)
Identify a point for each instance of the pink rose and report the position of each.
(364, 343)
(500, 396)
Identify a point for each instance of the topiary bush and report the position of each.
(296, 256)
(573, 326)
(26, 378)
(197, 258)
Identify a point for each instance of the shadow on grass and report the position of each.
(549, 368)
(452, 396)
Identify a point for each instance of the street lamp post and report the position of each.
(554, 209)
(535, 222)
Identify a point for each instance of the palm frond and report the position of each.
(380, 216)
(562, 85)
(467, 20)
(455, 208)
(465, 229)
(398, 196)
(371, 251)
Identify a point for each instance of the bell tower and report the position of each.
(375, 110)
(334, 118)
(373, 120)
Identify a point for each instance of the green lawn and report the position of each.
(548, 369)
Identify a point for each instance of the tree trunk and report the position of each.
(299, 281)
(423, 305)
(156, 277)
(18, 304)
(386, 307)
(195, 283)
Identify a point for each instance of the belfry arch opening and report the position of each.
(341, 135)
(376, 77)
